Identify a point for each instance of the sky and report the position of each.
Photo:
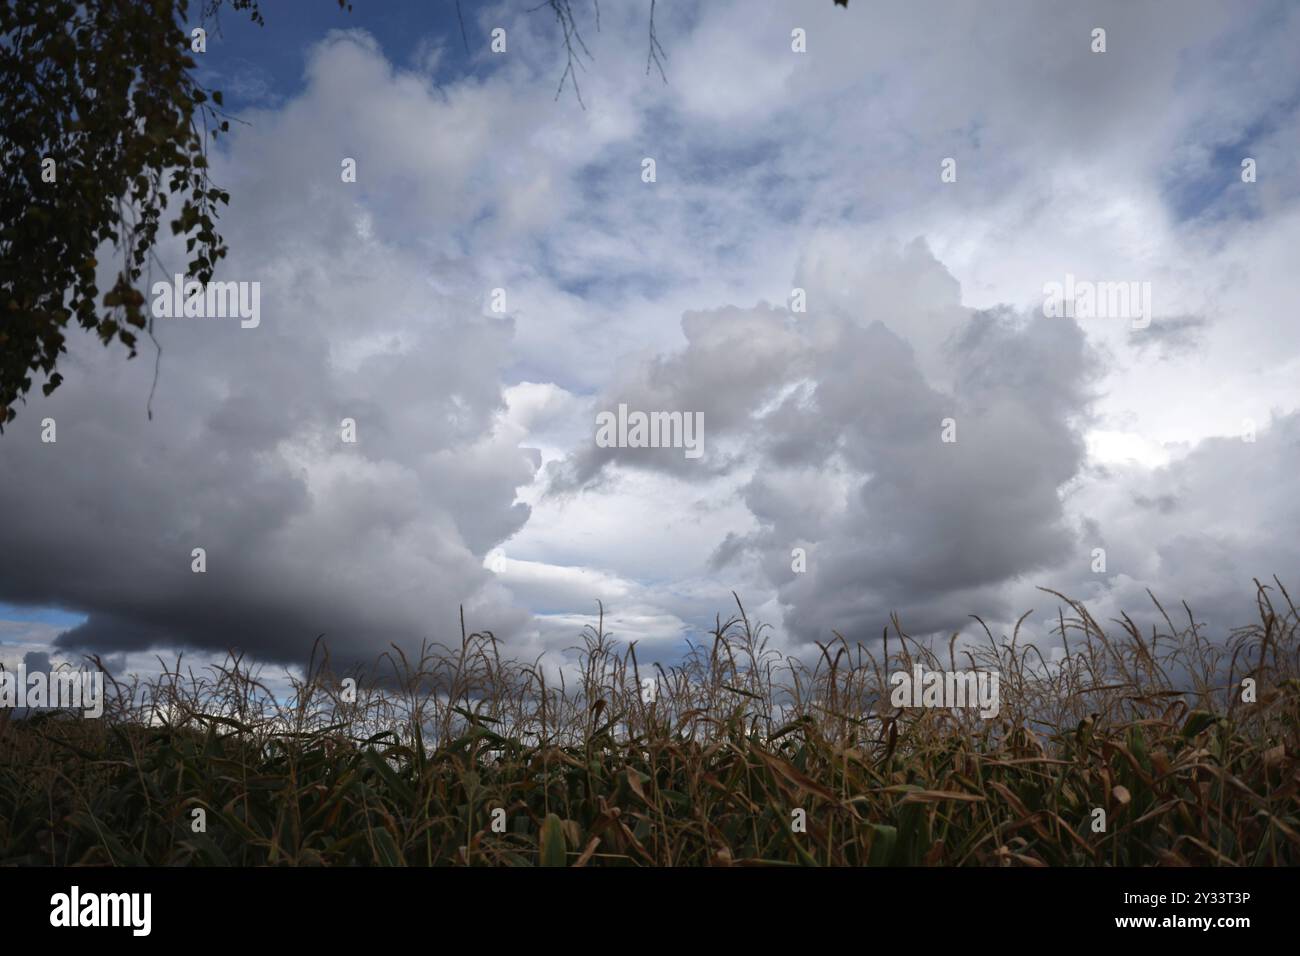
(841, 264)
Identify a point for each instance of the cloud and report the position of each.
(1170, 337)
(476, 479)
(847, 459)
(1201, 529)
(304, 534)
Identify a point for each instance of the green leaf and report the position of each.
(1197, 721)
(883, 841)
(554, 851)
(394, 783)
(386, 848)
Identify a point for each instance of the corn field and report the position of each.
(1129, 749)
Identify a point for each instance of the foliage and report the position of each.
(103, 124)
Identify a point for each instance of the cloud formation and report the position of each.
(475, 478)
(368, 542)
(841, 438)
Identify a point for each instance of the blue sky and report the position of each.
(40, 615)
(242, 53)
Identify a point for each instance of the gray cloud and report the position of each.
(1169, 338)
(841, 433)
(369, 543)
(1207, 526)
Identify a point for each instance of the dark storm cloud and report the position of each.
(368, 543)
